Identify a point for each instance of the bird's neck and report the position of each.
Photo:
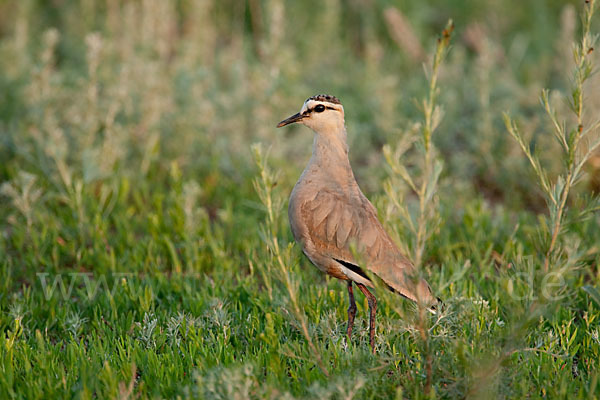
(330, 156)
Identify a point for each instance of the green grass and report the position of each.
(139, 253)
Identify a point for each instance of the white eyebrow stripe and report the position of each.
(310, 105)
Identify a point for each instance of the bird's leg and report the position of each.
(351, 310)
(372, 311)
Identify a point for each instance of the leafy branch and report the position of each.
(264, 185)
(574, 141)
(425, 188)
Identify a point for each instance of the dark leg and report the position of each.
(372, 311)
(351, 311)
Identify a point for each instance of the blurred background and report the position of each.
(125, 146)
(129, 87)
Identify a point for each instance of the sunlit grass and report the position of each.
(143, 252)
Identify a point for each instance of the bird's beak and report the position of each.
(294, 118)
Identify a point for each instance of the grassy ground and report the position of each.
(144, 244)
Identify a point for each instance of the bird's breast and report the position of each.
(304, 191)
(294, 208)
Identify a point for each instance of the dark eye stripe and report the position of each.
(313, 109)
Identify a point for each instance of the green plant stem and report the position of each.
(581, 74)
(558, 222)
(429, 109)
(264, 187)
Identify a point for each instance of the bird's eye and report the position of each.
(320, 108)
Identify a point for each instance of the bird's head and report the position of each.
(322, 113)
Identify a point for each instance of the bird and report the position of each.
(332, 220)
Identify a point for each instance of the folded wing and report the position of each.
(337, 222)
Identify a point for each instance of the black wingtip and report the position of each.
(439, 307)
(354, 268)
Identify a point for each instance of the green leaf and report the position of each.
(593, 293)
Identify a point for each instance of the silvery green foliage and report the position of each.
(74, 324)
(247, 382)
(147, 330)
(576, 141)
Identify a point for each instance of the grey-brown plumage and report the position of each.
(329, 215)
